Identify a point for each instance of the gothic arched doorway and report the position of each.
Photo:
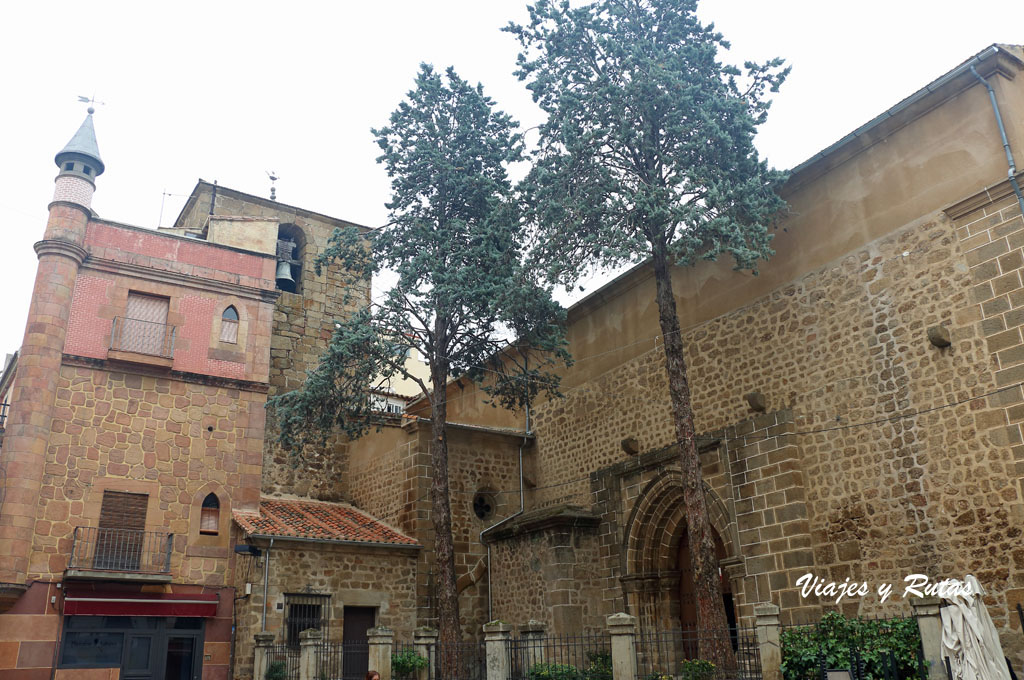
(657, 580)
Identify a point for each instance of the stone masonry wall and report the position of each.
(906, 465)
(393, 484)
(987, 515)
(353, 576)
(302, 327)
(553, 577)
(175, 441)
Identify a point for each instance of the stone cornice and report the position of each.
(655, 458)
(71, 204)
(990, 194)
(177, 278)
(60, 247)
(557, 518)
(157, 372)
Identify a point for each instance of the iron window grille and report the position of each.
(304, 611)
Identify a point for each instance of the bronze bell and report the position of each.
(284, 274)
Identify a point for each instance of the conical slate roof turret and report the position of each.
(82, 146)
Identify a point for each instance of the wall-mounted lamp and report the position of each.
(246, 549)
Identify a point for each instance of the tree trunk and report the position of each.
(714, 640)
(441, 515)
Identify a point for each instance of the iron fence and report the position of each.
(99, 548)
(333, 660)
(142, 337)
(342, 660)
(467, 661)
(286, 655)
(671, 654)
(587, 656)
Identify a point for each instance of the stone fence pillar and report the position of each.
(309, 640)
(424, 640)
(381, 640)
(264, 641)
(496, 639)
(766, 621)
(531, 635)
(929, 623)
(622, 629)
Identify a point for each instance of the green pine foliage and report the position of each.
(649, 137)
(647, 154)
(463, 297)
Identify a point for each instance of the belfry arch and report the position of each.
(657, 583)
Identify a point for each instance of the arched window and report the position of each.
(291, 251)
(209, 515)
(229, 325)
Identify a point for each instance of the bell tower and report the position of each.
(60, 252)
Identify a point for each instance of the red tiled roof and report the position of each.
(284, 517)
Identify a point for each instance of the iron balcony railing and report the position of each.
(98, 548)
(142, 337)
(3, 416)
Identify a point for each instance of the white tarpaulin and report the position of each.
(969, 640)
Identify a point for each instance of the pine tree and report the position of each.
(647, 155)
(462, 298)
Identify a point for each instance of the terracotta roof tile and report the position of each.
(284, 517)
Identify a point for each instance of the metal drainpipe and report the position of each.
(522, 509)
(266, 582)
(1012, 173)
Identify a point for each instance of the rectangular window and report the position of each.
(304, 611)
(145, 325)
(92, 649)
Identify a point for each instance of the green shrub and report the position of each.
(600, 666)
(658, 675)
(834, 637)
(552, 671)
(696, 669)
(276, 670)
(407, 662)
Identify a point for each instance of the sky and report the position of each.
(229, 91)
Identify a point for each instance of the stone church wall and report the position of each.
(843, 346)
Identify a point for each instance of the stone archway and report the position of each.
(656, 582)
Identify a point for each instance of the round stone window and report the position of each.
(483, 505)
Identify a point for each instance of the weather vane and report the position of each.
(90, 101)
(273, 190)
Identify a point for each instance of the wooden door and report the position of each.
(355, 642)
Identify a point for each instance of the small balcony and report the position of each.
(139, 341)
(3, 416)
(121, 554)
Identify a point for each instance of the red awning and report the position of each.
(114, 603)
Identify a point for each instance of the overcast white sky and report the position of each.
(228, 90)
